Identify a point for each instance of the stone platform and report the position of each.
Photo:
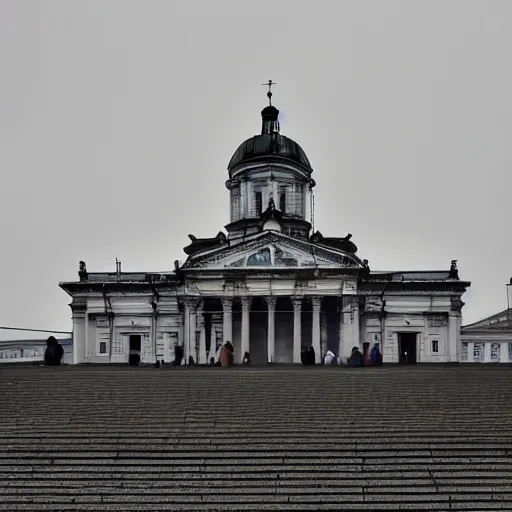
(255, 438)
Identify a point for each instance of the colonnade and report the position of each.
(194, 323)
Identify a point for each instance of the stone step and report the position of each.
(436, 438)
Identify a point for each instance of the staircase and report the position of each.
(105, 438)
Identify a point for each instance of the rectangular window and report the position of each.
(435, 346)
(510, 352)
(464, 351)
(477, 352)
(235, 204)
(103, 347)
(282, 202)
(495, 352)
(258, 203)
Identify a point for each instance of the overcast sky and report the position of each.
(118, 119)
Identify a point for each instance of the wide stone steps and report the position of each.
(246, 438)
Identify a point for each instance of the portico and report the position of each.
(251, 323)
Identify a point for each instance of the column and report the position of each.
(453, 337)
(504, 352)
(190, 330)
(227, 319)
(246, 312)
(297, 328)
(78, 309)
(87, 357)
(317, 304)
(350, 327)
(186, 330)
(202, 357)
(471, 352)
(271, 331)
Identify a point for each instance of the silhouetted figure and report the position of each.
(226, 354)
(376, 358)
(191, 361)
(212, 361)
(356, 358)
(246, 359)
(231, 352)
(308, 355)
(178, 355)
(53, 353)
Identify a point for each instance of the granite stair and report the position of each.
(277, 438)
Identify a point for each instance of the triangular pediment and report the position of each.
(272, 250)
(495, 323)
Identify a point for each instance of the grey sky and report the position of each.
(118, 119)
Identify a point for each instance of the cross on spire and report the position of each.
(269, 93)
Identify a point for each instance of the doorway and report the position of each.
(134, 349)
(407, 351)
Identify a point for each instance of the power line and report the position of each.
(34, 330)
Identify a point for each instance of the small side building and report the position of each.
(488, 340)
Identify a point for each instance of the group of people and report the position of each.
(365, 358)
(307, 356)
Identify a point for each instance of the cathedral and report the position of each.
(268, 283)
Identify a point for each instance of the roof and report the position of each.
(501, 321)
(265, 145)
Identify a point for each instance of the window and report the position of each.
(235, 204)
(435, 346)
(258, 204)
(103, 347)
(510, 352)
(282, 202)
(477, 352)
(464, 351)
(495, 352)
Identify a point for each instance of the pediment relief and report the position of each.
(273, 252)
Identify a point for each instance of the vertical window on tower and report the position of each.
(282, 202)
(235, 204)
(258, 205)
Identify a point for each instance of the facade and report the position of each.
(269, 283)
(489, 340)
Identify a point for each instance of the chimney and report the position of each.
(118, 269)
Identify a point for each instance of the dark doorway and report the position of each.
(134, 350)
(407, 347)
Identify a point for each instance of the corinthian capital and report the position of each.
(316, 301)
(271, 302)
(246, 303)
(297, 303)
(227, 304)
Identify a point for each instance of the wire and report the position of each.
(34, 330)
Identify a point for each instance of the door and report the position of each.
(134, 349)
(407, 346)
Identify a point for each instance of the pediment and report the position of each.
(495, 323)
(272, 251)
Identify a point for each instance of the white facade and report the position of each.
(270, 286)
(489, 340)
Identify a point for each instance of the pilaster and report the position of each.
(246, 312)
(297, 328)
(271, 331)
(317, 305)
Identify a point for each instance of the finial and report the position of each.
(269, 93)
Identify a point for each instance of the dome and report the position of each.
(269, 144)
(266, 145)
